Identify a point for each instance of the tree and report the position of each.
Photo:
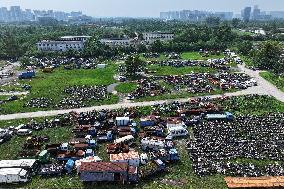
(133, 65)
(157, 46)
(10, 46)
(244, 47)
(236, 22)
(268, 56)
(213, 21)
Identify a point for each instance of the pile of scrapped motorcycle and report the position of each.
(218, 145)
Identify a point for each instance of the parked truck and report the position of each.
(222, 116)
(27, 75)
(13, 175)
(69, 166)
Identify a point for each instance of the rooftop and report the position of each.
(255, 182)
(104, 167)
(124, 156)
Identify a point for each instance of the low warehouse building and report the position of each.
(107, 171)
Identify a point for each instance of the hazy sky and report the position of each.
(142, 8)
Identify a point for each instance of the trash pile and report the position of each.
(221, 64)
(68, 63)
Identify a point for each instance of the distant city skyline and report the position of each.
(141, 8)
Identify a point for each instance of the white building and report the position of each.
(63, 44)
(118, 42)
(154, 36)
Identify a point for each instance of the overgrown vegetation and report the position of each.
(275, 79)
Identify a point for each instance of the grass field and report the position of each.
(182, 172)
(161, 58)
(52, 85)
(126, 87)
(278, 81)
(168, 70)
(197, 56)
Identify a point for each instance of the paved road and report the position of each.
(263, 88)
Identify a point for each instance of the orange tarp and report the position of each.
(254, 182)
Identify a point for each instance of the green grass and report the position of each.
(52, 85)
(11, 88)
(255, 105)
(242, 33)
(276, 80)
(168, 70)
(126, 87)
(161, 58)
(3, 97)
(197, 56)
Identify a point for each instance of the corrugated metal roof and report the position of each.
(12, 171)
(254, 182)
(17, 163)
(103, 167)
(124, 156)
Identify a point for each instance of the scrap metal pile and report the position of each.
(68, 63)
(205, 82)
(148, 87)
(211, 63)
(216, 143)
(76, 97)
(39, 103)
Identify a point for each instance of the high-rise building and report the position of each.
(277, 14)
(224, 15)
(246, 14)
(15, 14)
(256, 13)
(4, 14)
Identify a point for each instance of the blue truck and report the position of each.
(69, 166)
(27, 75)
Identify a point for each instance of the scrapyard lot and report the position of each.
(172, 178)
(49, 89)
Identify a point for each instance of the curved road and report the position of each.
(263, 88)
